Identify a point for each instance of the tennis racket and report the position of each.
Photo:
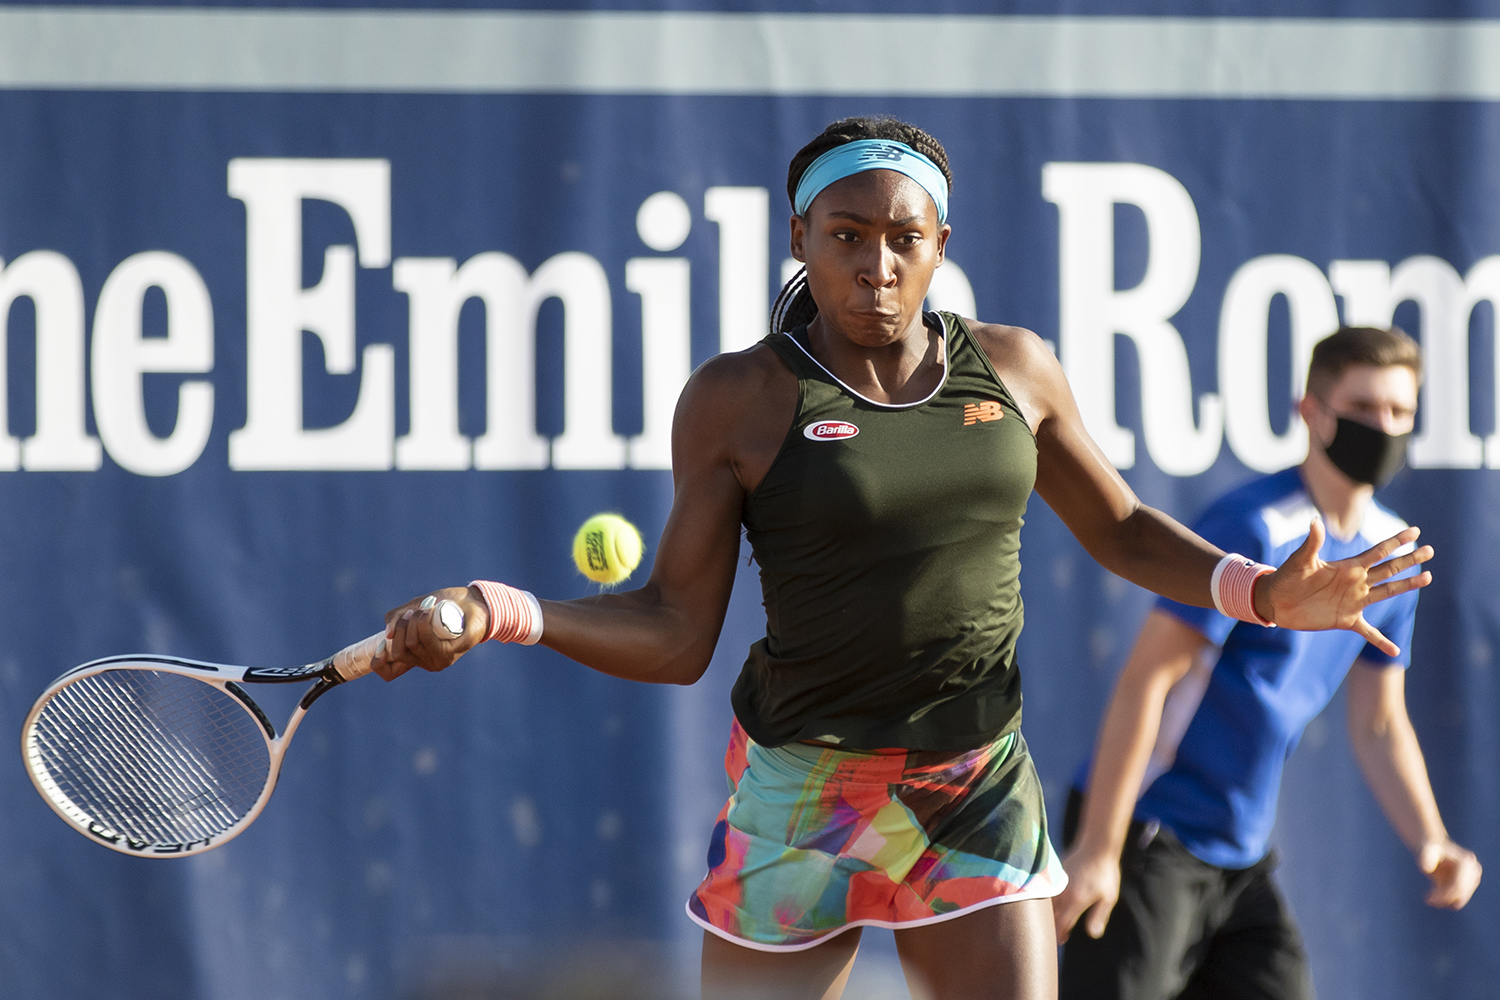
(158, 756)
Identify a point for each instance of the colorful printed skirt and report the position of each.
(815, 840)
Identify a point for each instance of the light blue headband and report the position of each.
(872, 154)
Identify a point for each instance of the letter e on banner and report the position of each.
(121, 355)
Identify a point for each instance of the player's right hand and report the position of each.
(1092, 891)
(412, 638)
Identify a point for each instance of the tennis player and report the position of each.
(880, 459)
(1169, 864)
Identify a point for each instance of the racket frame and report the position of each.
(225, 677)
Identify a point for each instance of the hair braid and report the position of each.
(795, 306)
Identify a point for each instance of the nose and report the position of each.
(1392, 423)
(879, 270)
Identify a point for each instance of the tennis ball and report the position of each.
(607, 548)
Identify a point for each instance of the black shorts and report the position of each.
(1184, 928)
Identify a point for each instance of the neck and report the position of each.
(902, 370)
(1340, 499)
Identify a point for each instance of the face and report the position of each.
(870, 242)
(1383, 398)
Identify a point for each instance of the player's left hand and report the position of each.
(413, 639)
(1454, 871)
(1312, 595)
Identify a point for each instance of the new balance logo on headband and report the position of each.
(982, 413)
(885, 151)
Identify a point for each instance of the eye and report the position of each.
(846, 236)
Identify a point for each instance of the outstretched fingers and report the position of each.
(1394, 587)
(1384, 571)
(1382, 550)
(1375, 638)
(1400, 564)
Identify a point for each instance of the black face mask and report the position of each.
(1366, 454)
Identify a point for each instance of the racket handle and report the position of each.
(354, 661)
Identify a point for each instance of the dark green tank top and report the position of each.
(888, 542)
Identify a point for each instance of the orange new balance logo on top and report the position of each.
(982, 413)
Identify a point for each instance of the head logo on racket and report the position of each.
(830, 430)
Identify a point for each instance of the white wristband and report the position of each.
(532, 637)
(1233, 588)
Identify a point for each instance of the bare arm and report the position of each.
(666, 631)
(730, 421)
(1164, 652)
(1149, 548)
(1385, 744)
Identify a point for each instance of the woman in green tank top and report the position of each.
(881, 459)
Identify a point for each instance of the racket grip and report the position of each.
(354, 661)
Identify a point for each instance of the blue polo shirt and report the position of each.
(1226, 734)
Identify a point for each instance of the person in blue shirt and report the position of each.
(1167, 848)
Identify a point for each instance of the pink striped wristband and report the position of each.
(1233, 588)
(515, 615)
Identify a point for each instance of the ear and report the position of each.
(1307, 408)
(1316, 419)
(943, 235)
(799, 237)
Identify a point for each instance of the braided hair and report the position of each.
(795, 306)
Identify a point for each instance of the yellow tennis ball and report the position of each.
(607, 548)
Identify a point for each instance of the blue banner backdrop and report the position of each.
(277, 359)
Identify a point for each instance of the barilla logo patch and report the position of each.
(829, 430)
(982, 413)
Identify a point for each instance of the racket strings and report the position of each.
(135, 790)
(146, 776)
(173, 789)
(181, 783)
(156, 756)
(112, 781)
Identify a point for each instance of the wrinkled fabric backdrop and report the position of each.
(308, 311)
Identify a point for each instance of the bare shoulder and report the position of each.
(1026, 365)
(756, 367)
(729, 387)
(736, 407)
(1012, 345)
